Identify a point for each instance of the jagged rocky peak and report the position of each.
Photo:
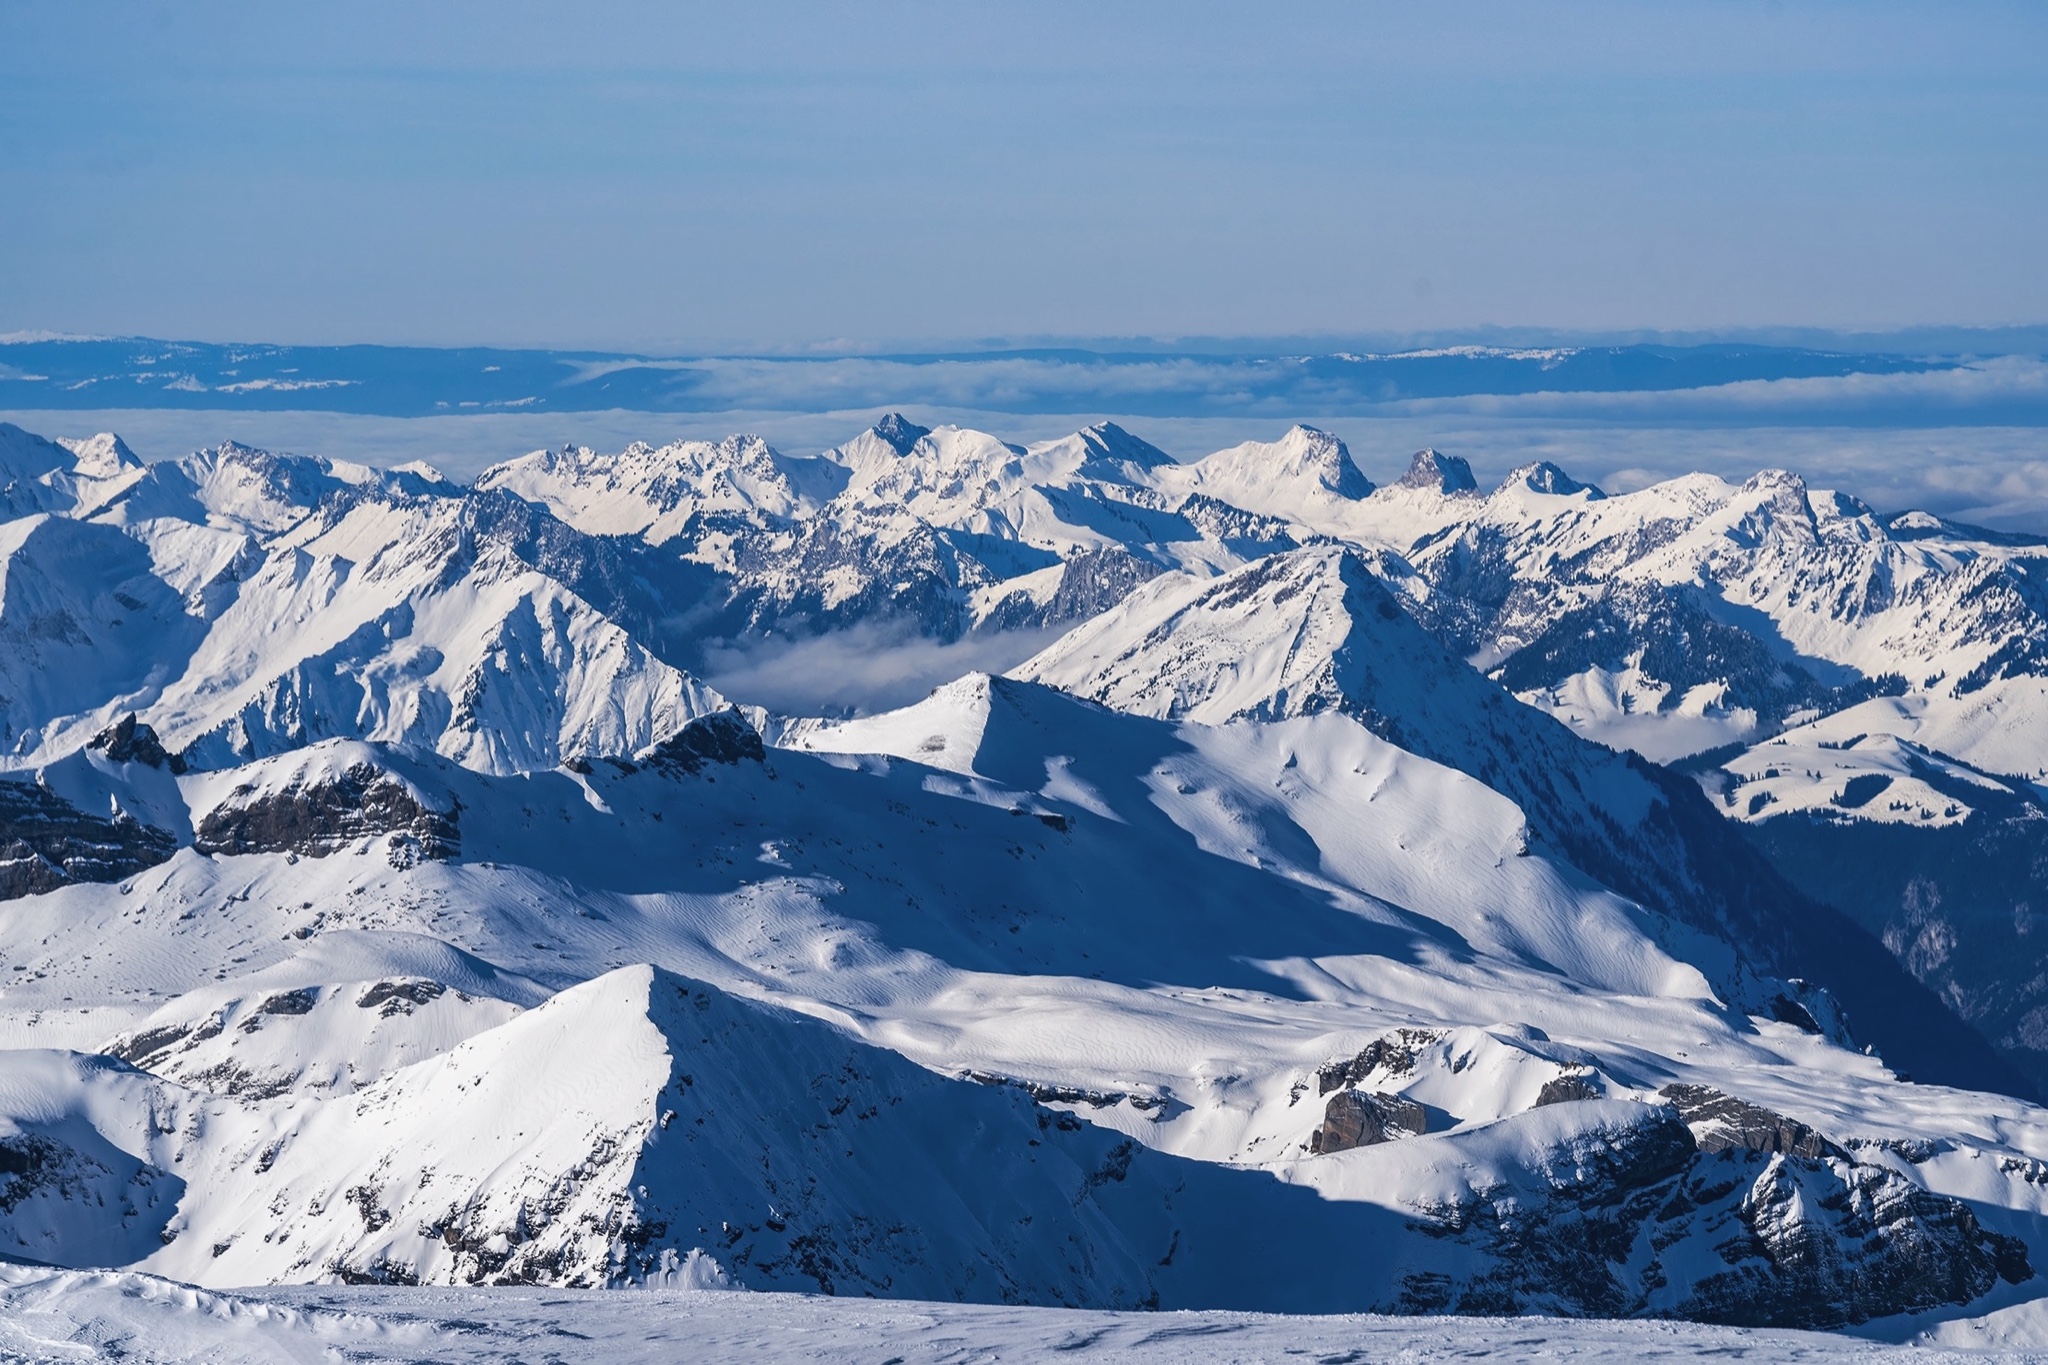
(1439, 473)
(104, 456)
(1741, 1236)
(129, 740)
(1545, 477)
(899, 432)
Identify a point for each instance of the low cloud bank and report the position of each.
(859, 670)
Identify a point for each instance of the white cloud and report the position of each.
(864, 668)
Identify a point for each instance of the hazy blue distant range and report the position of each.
(400, 381)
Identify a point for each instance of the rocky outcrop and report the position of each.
(1830, 1243)
(723, 737)
(313, 818)
(46, 842)
(1721, 1123)
(128, 740)
(1568, 1087)
(1439, 473)
(1633, 1215)
(1358, 1118)
(1395, 1054)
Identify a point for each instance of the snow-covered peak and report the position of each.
(1276, 476)
(27, 464)
(1546, 478)
(998, 728)
(24, 455)
(244, 488)
(105, 456)
(875, 451)
(1306, 479)
(653, 491)
(1103, 451)
(1292, 634)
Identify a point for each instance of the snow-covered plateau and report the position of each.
(1336, 900)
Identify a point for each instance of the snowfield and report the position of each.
(71, 1315)
(392, 916)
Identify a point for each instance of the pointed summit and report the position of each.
(1439, 473)
(1106, 441)
(1285, 477)
(1545, 477)
(900, 433)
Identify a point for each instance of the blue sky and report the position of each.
(788, 176)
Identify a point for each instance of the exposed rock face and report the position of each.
(1572, 1085)
(1722, 1123)
(1357, 1118)
(1564, 1242)
(900, 432)
(129, 741)
(1395, 1054)
(1439, 473)
(1090, 583)
(1624, 1214)
(46, 842)
(314, 819)
(724, 737)
(1830, 1243)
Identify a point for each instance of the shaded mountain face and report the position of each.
(398, 905)
(1317, 631)
(1944, 863)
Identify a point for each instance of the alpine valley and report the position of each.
(1307, 896)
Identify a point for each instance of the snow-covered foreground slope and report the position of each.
(71, 1315)
(1079, 1007)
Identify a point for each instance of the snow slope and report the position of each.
(64, 1315)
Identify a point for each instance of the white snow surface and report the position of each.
(55, 1315)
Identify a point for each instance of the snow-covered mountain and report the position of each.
(243, 603)
(384, 898)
